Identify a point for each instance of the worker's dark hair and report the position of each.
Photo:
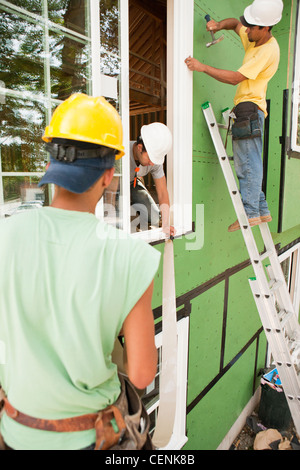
(270, 27)
(139, 140)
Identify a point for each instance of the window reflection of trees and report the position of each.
(22, 122)
(24, 59)
(45, 55)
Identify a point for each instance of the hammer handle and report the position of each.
(207, 17)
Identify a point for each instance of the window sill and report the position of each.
(156, 236)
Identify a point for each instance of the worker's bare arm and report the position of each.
(139, 335)
(224, 76)
(164, 204)
(228, 24)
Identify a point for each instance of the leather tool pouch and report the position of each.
(135, 436)
(121, 426)
(2, 395)
(246, 124)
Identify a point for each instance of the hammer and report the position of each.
(214, 40)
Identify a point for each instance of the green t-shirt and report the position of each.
(67, 282)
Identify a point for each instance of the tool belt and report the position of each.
(121, 426)
(246, 122)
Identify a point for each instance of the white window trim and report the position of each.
(180, 21)
(283, 257)
(179, 438)
(296, 92)
(180, 37)
(296, 297)
(124, 44)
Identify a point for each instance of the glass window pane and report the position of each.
(71, 14)
(109, 25)
(34, 6)
(22, 124)
(21, 54)
(21, 193)
(285, 265)
(69, 66)
(111, 67)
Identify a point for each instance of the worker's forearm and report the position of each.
(165, 214)
(228, 24)
(224, 76)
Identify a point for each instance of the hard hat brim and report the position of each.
(244, 22)
(76, 177)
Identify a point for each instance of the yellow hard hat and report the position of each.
(87, 119)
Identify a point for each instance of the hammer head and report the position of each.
(215, 41)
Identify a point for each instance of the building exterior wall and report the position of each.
(227, 346)
(226, 343)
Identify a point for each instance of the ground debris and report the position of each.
(248, 436)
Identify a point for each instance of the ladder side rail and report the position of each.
(269, 314)
(284, 301)
(235, 196)
(224, 161)
(274, 260)
(281, 355)
(240, 211)
(276, 335)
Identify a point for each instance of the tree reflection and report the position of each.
(28, 56)
(40, 63)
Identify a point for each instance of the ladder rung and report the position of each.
(284, 316)
(280, 327)
(266, 254)
(275, 285)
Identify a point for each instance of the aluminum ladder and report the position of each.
(269, 287)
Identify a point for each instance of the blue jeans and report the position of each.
(142, 202)
(248, 165)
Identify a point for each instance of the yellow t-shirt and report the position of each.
(259, 65)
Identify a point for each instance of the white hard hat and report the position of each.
(263, 13)
(157, 139)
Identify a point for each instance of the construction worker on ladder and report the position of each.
(69, 284)
(259, 66)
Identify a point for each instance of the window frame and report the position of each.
(48, 102)
(294, 276)
(180, 17)
(295, 121)
(180, 20)
(178, 438)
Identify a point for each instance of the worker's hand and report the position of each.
(194, 65)
(213, 26)
(170, 231)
